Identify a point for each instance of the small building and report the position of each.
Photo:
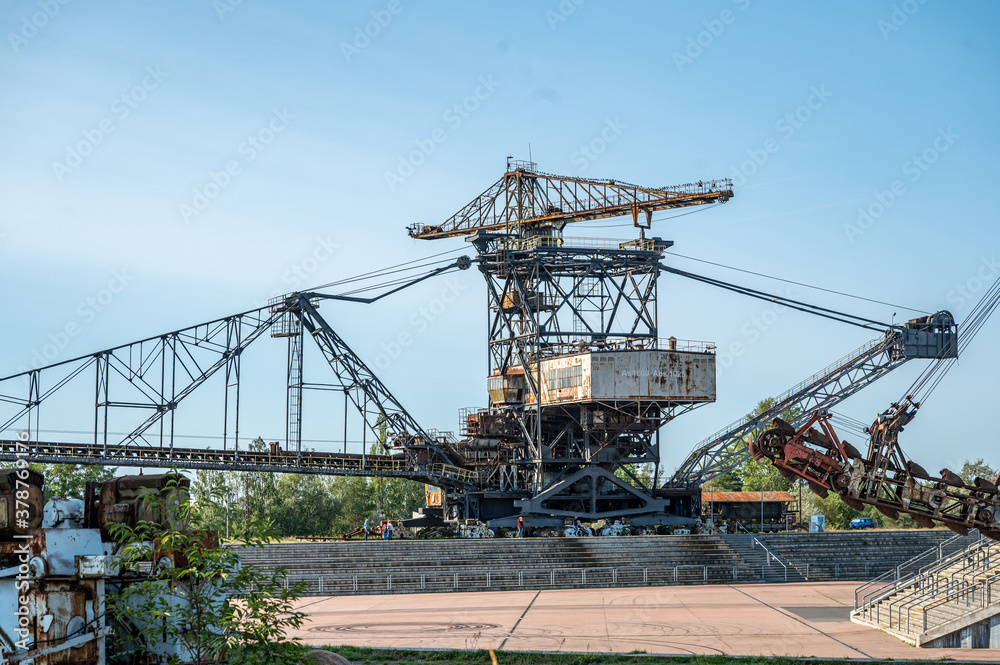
(746, 507)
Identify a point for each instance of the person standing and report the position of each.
(576, 525)
(520, 526)
(390, 528)
(366, 528)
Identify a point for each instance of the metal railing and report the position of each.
(629, 344)
(508, 579)
(756, 542)
(957, 575)
(910, 572)
(535, 242)
(965, 597)
(839, 570)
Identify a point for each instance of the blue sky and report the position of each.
(292, 123)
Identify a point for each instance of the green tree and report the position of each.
(754, 476)
(970, 470)
(730, 481)
(303, 505)
(183, 589)
(839, 515)
(215, 497)
(227, 501)
(70, 480)
(355, 502)
(394, 498)
(642, 472)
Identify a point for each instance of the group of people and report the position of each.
(385, 529)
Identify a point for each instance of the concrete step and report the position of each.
(772, 569)
(406, 566)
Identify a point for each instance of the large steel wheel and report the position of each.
(769, 445)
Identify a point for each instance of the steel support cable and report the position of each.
(387, 270)
(402, 280)
(802, 284)
(832, 314)
(849, 421)
(928, 381)
(380, 274)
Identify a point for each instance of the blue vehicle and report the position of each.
(863, 523)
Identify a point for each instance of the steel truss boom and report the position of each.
(402, 431)
(726, 450)
(885, 477)
(524, 199)
(154, 376)
(275, 460)
(158, 374)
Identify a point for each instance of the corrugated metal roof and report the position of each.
(745, 496)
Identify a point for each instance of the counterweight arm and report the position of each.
(525, 199)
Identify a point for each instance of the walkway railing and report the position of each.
(508, 579)
(905, 573)
(755, 542)
(962, 580)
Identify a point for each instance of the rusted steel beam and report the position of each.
(525, 198)
(884, 478)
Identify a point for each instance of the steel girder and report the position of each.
(933, 337)
(726, 450)
(524, 199)
(394, 423)
(155, 375)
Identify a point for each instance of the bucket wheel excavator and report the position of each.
(885, 477)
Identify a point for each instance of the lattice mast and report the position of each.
(565, 315)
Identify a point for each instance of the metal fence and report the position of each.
(961, 581)
(511, 579)
(893, 576)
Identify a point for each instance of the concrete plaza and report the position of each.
(807, 619)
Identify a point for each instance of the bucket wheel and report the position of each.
(769, 445)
